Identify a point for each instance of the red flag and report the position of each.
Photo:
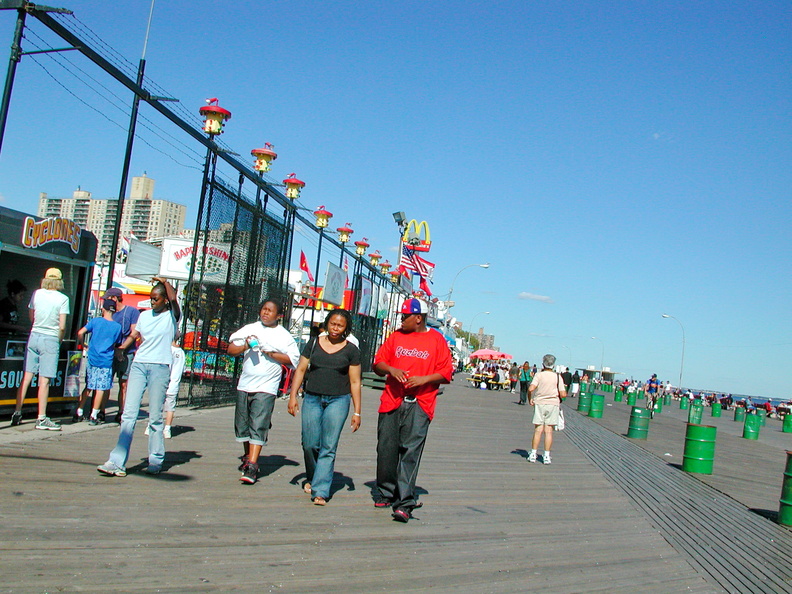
(304, 266)
(425, 287)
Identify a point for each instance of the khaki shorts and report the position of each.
(546, 414)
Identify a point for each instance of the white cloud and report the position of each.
(533, 297)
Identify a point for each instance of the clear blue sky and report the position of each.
(613, 161)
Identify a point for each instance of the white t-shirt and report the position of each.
(260, 373)
(177, 369)
(157, 331)
(548, 386)
(48, 305)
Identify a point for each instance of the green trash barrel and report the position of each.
(658, 405)
(584, 403)
(695, 413)
(631, 398)
(751, 427)
(684, 403)
(785, 505)
(716, 409)
(597, 405)
(584, 388)
(762, 414)
(787, 426)
(639, 423)
(699, 455)
(618, 396)
(667, 399)
(739, 414)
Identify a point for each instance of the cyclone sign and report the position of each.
(38, 233)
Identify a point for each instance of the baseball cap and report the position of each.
(54, 274)
(414, 306)
(113, 292)
(109, 305)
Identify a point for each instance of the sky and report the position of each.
(611, 161)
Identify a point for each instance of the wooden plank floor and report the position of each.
(491, 522)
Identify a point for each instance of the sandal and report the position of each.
(319, 501)
(307, 488)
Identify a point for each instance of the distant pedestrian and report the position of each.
(567, 377)
(150, 371)
(652, 387)
(546, 393)
(525, 381)
(266, 346)
(514, 376)
(575, 384)
(416, 360)
(48, 309)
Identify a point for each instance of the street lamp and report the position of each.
(602, 361)
(682, 364)
(344, 234)
(451, 290)
(486, 313)
(322, 218)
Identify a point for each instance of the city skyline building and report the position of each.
(145, 217)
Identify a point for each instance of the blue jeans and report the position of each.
(323, 418)
(155, 377)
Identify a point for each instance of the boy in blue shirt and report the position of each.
(105, 336)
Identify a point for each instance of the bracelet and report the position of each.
(355, 414)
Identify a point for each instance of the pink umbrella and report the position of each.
(485, 354)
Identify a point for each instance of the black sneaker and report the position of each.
(250, 475)
(244, 464)
(401, 515)
(101, 416)
(94, 422)
(116, 420)
(382, 503)
(16, 418)
(76, 418)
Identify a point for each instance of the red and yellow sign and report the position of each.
(38, 233)
(412, 236)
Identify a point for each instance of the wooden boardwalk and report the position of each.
(491, 521)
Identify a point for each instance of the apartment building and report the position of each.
(144, 217)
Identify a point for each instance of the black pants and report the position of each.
(524, 391)
(401, 435)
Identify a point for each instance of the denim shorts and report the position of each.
(98, 378)
(41, 356)
(253, 416)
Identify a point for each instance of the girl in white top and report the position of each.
(48, 311)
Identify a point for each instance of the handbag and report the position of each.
(561, 421)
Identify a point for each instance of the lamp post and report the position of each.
(570, 354)
(451, 290)
(682, 364)
(602, 360)
(263, 160)
(486, 313)
(344, 233)
(214, 120)
(322, 218)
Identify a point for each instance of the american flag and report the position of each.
(409, 260)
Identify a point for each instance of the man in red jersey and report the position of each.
(416, 360)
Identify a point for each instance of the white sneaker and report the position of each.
(532, 457)
(166, 432)
(546, 459)
(146, 432)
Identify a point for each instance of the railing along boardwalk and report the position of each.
(491, 522)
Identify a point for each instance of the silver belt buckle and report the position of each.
(409, 401)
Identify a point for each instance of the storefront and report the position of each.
(29, 246)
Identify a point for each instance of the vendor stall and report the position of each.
(29, 246)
